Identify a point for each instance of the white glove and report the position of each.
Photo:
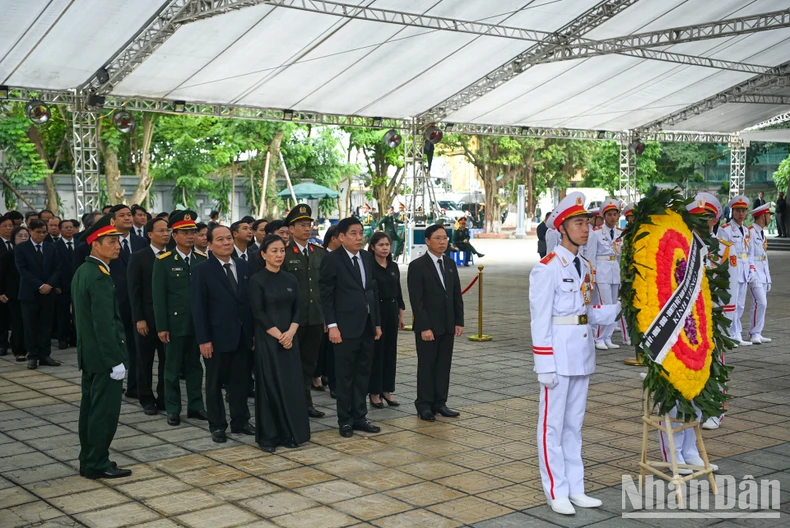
(548, 380)
(118, 372)
(768, 288)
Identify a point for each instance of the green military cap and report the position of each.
(184, 219)
(104, 226)
(300, 212)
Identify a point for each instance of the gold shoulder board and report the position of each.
(164, 255)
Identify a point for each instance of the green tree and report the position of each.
(781, 176)
(383, 165)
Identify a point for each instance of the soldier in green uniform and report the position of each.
(461, 241)
(101, 351)
(173, 315)
(303, 260)
(389, 224)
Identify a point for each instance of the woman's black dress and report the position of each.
(385, 350)
(280, 405)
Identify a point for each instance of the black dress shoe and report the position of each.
(391, 403)
(110, 473)
(218, 436)
(48, 361)
(198, 415)
(62, 345)
(447, 413)
(21, 358)
(346, 431)
(290, 444)
(332, 394)
(319, 389)
(379, 405)
(268, 449)
(150, 409)
(173, 419)
(247, 429)
(32, 364)
(480, 255)
(312, 412)
(428, 416)
(367, 427)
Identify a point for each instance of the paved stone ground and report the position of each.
(478, 470)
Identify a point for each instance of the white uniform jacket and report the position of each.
(553, 238)
(603, 251)
(556, 290)
(759, 246)
(736, 247)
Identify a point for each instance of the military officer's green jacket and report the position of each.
(100, 334)
(171, 292)
(306, 271)
(461, 234)
(389, 225)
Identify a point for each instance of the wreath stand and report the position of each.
(654, 421)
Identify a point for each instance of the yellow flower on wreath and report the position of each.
(657, 257)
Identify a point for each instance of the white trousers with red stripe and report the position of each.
(608, 294)
(759, 305)
(685, 441)
(560, 436)
(734, 310)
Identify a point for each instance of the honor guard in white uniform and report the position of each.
(762, 283)
(603, 251)
(560, 300)
(628, 210)
(735, 247)
(686, 450)
(552, 239)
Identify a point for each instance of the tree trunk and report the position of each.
(274, 156)
(49, 181)
(493, 221)
(143, 166)
(113, 175)
(384, 193)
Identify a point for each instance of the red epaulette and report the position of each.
(726, 225)
(547, 258)
(597, 228)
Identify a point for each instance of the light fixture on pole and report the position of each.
(448, 127)
(123, 121)
(180, 106)
(4, 92)
(392, 139)
(37, 112)
(377, 122)
(433, 134)
(636, 147)
(288, 115)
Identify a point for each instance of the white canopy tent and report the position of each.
(591, 69)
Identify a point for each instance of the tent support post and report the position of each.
(737, 166)
(85, 142)
(627, 168)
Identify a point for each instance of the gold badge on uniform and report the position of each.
(579, 202)
(303, 209)
(187, 216)
(112, 222)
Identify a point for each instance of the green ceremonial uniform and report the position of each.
(100, 347)
(389, 224)
(173, 313)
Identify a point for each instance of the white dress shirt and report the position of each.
(359, 261)
(232, 268)
(183, 256)
(438, 268)
(239, 253)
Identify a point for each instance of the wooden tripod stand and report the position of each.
(666, 424)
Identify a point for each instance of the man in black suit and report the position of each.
(140, 273)
(65, 330)
(140, 219)
(759, 201)
(542, 229)
(438, 308)
(224, 331)
(53, 229)
(351, 312)
(6, 245)
(39, 276)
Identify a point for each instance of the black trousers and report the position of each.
(468, 249)
(780, 225)
(5, 324)
(17, 327)
(230, 368)
(353, 359)
(37, 320)
(385, 350)
(65, 332)
(328, 369)
(130, 330)
(148, 348)
(309, 339)
(433, 371)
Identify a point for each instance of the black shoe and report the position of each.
(150, 409)
(248, 429)
(268, 449)
(21, 358)
(428, 416)
(32, 364)
(173, 419)
(379, 405)
(367, 427)
(391, 403)
(319, 389)
(62, 345)
(346, 431)
(290, 444)
(332, 394)
(218, 436)
(198, 415)
(447, 413)
(312, 412)
(110, 473)
(48, 361)
(480, 255)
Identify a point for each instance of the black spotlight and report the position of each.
(288, 115)
(96, 101)
(102, 76)
(636, 147)
(4, 92)
(433, 134)
(448, 127)
(377, 122)
(123, 121)
(392, 139)
(180, 106)
(37, 112)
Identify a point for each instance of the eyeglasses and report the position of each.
(439, 238)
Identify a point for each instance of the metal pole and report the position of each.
(480, 336)
(85, 141)
(520, 231)
(737, 167)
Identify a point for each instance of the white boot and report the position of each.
(600, 345)
(697, 461)
(712, 423)
(562, 506)
(756, 340)
(744, 343)
(583, 501)
(609, 344)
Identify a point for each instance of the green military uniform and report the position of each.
(461, 241)
(305, 266)
(173, 314)
(389, 225)
(100, 347)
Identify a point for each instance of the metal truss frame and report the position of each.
(85, 144)
(776, 120)
(627, 179)
(737, 167)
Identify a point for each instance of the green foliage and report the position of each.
(23, 165)
(782, 175)
(664, 396)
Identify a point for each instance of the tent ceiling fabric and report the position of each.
(280, 57)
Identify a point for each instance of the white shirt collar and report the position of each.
(434, 258)
(239, 252)
(156, 251)
(183, 256)
(300, 246)
(350, 254)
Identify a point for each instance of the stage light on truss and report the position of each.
(102, 76)
(123, 121)
(37, 112)
(636, 147)
(288, 115)
(96, 101)
(4, 92)
(392, 138)
(377, 122)
(433, 134)
(448, 127)
(180, 106)
(524, 131)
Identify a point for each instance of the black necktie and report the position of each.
(160, 252)
(8, 246)
(306, 254)
(69, 246)
(441, 270)
(359, 270)
(611, 233)
(233, 284)
(38, 249)
(741, 228)
(126, 247)
(140, 232)
(578, 264)
(186, 259)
